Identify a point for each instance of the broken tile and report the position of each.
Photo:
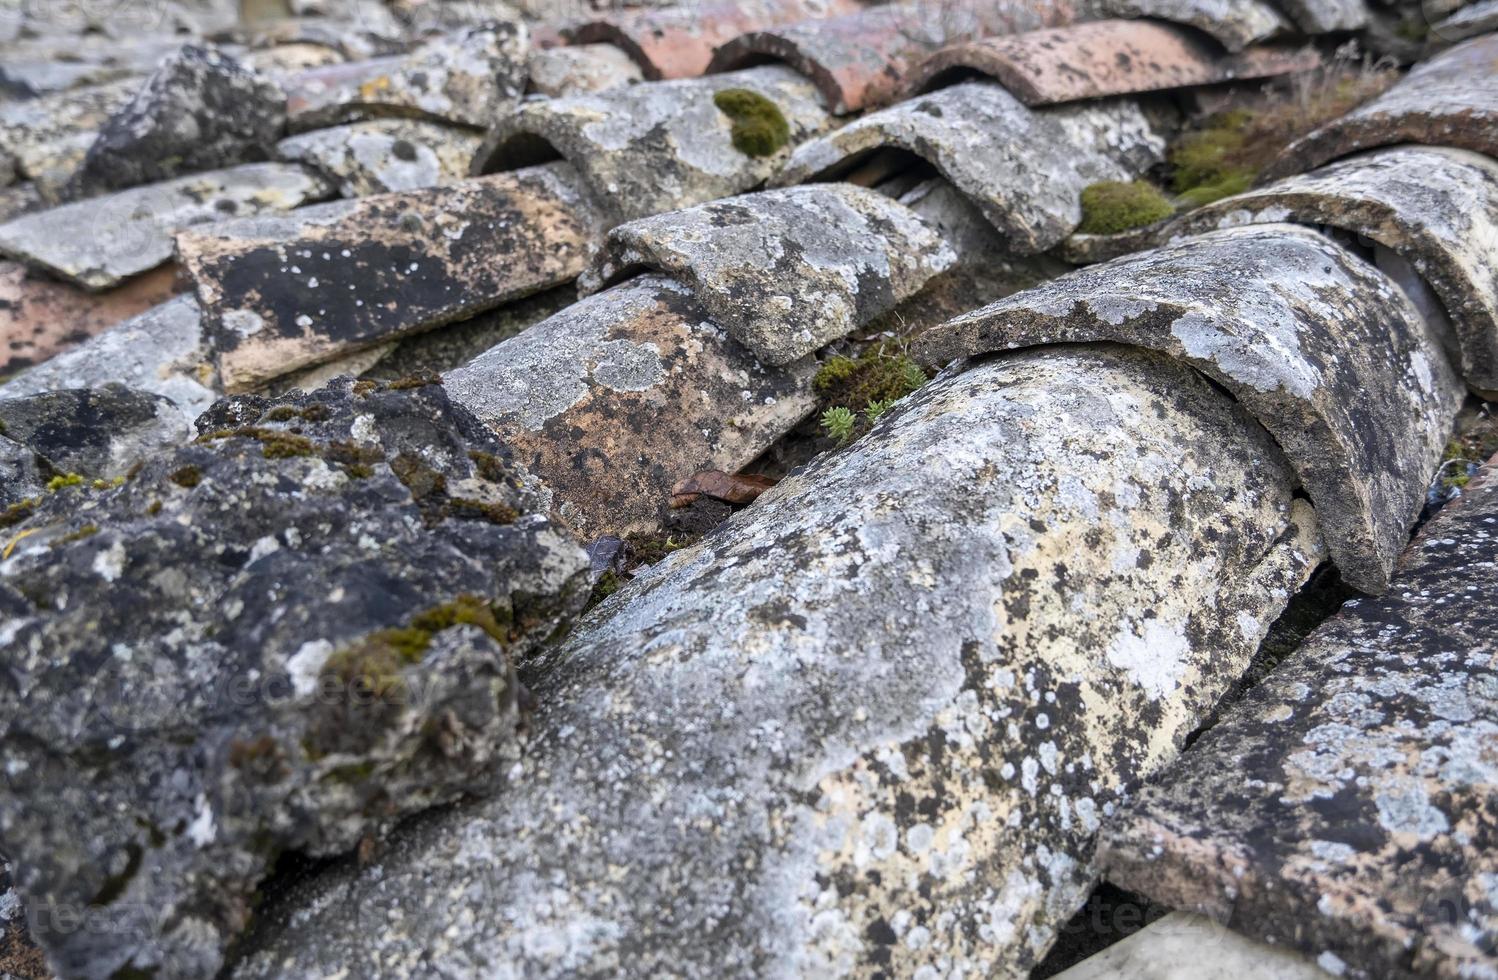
(678, 42)
(1103, 58)
(98, 433)
(1182, 946)
(200, 110)
(873, 722)
(1023, 169)
(860, 61)
(48, 137)
(580, 69)
(383, 155)
(615, 399)
(787, 271)
(1435, 206)
(159, 350)
(334, 661)
(280, 292)
(39, 318)
(644, 149)
(1450, 100)
(470, 77)
(1345, 806)
(100, 242)
(1235, 24)
(1323, 348)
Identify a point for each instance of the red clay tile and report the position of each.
(1103, 58)
(42, 317)
(861, 60)
(679, 42)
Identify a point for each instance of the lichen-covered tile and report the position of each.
(200, 110)
(49, 136)
(470, 77)
(1023, 168)
(1183, 946)
(580, 69)
(644, 149)
(41, 318)
(678, 42)
(1470, 21)
(280, 292)
(1436, 206)
(1325, 350)
(1346, 806)
(159, 350)
(786, 271)
(614, 399)
(38, 67)
(872, 724)
(1235, 24)
(860, 61)
(97, 433)
(382, 155)
(100, 242)
(284, 636)
(1449, 100)
(1105, 58)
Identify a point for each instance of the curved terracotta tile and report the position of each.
(1450, 100)
(1103, 58)
(862, 60)
(678, 42)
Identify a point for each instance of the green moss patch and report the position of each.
(759, 127)
(373, 665)
(1112, 206)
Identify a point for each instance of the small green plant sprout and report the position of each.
(838, 423)
(1112, 206)
(875, 409)
(759, 128)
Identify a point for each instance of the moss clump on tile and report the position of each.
(373, 664)
(759, 127)
(274, 443)
(187, 476)
(1112, 206)
(63, 481)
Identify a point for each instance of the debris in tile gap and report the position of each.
(315, 611)
(731, 488)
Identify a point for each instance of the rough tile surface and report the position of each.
(1346, 806)
(1435, 206)
(283, 292)
(41, 318)
(871, 724)
(1235, 24)
(341, 655)
(787, 271)
(200, 110)
(382, 155)
(650, 148)
(48, 137)
(678, 42)
(1104, 58)
(100, 242)
(1325, 350)
(581, 69)
(1182, 946)
(99, 433)
(1450, 100)
(159, 350)
(1024, 169)
(613, 400)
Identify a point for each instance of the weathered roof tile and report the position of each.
(580, 69)
(785, 272)
(100, 242)
(678, 42)
(1323, 348)
(1436, 206)
(1024, 169)
(1345, 806)
(1103, 58)
(616, 398)
(1450, 100)
(282, 292)
(383, 155)
(1235, 24)
(644, 149)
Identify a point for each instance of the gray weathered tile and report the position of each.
(383, 155)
